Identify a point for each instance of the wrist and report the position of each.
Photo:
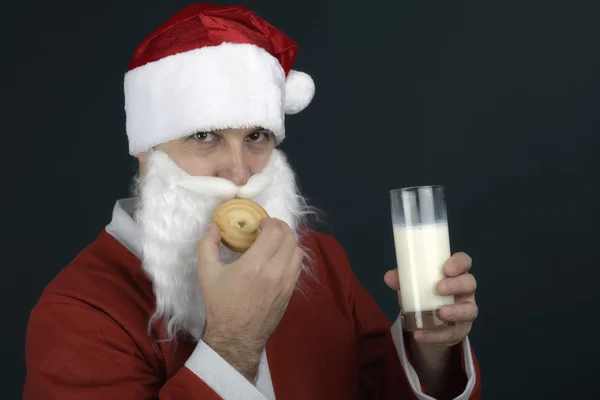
(431, 359)
(431, 363)
(237, 353)
(438, 367)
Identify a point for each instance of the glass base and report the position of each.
(423, 320)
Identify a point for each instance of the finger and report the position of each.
(295, 267)
(207, 249)
(272, 232)
(465, 312)
(297, 258)
(286, 255)
(447, 335)
(391, 279)
(264, 222)
(459, 263)
(461, 285)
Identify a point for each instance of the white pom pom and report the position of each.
(299, 91)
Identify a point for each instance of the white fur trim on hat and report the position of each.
(299, 91)
(217, 87)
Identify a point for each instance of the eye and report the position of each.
(258, 136)
(204, 137)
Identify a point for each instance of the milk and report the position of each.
(421, 252)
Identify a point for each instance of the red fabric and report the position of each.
(87, 336)
(202, 25)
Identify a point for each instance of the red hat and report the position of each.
(212, 67)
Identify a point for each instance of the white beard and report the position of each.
(173, 211)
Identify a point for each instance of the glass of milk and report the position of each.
(422, 243)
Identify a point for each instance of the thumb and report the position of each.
(207, 249)
(391, 279)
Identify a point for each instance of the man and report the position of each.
(156, 307)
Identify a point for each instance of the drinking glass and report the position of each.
(422, 246)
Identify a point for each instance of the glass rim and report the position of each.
(413, 188)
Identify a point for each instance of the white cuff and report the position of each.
(221, 377)
(411, 374)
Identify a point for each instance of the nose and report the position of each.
(235, 168)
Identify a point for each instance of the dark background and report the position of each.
(498, 101)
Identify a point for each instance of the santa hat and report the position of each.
(212, 67)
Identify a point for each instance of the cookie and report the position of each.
(238, 221)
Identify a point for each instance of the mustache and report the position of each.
(224, 189)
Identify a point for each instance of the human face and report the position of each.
(172, 218)
(233, 154)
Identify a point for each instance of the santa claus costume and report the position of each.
(124, 320)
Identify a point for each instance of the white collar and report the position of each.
(123, 227)
(126, 230)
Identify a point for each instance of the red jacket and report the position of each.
(87, 337)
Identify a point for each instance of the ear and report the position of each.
(142, 159)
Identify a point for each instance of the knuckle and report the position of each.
(299, 252)
(464, 284)
(466, 258)
(274, 232)
(282, 224)
(458, 313)
(291, 241)
(461, 258)
(449, 336)
(251, 270)
(273, 274)
(286, 230)
(475, 311)
(473, 282)
(298, 258)
(455, 284)
(466, 313)
(267, 223)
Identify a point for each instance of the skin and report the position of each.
(431, 350)
(237, 328)
(234, 154)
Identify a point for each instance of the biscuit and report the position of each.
(238, 220)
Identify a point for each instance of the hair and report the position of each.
(303, 217)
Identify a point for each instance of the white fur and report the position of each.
(216, 87)
(299, 91)
(173, 218)
(224, 188)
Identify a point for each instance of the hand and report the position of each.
(246, 300)
(462, 285)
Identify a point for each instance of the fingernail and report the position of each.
(454, 270)
(419, 336)
(446, 287)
